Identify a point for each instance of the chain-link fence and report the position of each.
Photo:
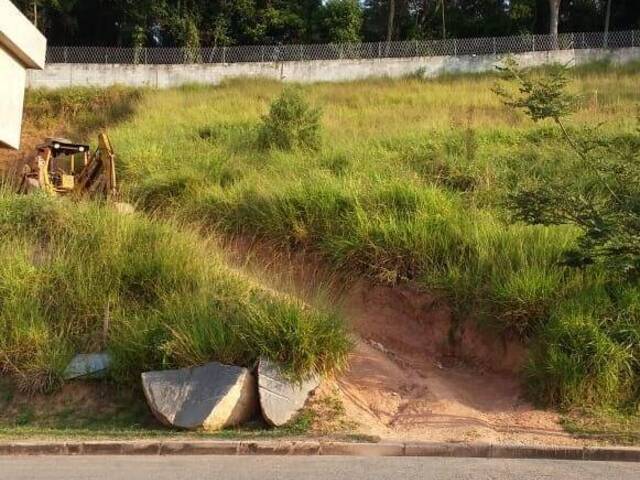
(356, 51)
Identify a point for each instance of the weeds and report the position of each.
(84, 108)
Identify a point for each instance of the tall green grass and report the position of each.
(79, 110)
(407, 185)
(588, 353)
(78, 277)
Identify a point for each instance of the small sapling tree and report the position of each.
(605, 203)
(291, 123)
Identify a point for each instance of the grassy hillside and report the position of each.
(408, 184)
(81, 277)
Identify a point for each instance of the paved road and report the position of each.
(302, 468)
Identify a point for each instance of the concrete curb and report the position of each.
(310, 447)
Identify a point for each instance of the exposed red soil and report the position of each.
(412, 400)
(416, 374)
(31, 136)
(408, 380)
(411, 322)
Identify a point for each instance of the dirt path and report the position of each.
(396, 398)
(406, 380)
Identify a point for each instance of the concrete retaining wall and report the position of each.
(165, 76)
(12, 83)
(22, 46)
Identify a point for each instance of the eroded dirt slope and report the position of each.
(409, 379)
(415, 374)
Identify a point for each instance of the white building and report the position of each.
(22, 46)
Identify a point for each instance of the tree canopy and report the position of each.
(246, 22)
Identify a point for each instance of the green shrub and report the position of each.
(604, 203)
(291, 123)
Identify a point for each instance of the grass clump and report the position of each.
(586, 355)
(608, 425)
(70, 271)
(291, 123)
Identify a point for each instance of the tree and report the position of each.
(35, 12)
(191, 40)
(248, 22)
(391, 20)
(444, 20)
(386, 20)
(340, 21)
(554, 16)
(583, 15)
(607, 23)
(604, 204)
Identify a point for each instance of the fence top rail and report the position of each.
(335, 51)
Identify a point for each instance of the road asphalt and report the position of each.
(302, 468)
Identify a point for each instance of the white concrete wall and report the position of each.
(20, 38)
(12, 82)
(22, 46)
(164, 76)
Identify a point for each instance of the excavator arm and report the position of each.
(99, 175)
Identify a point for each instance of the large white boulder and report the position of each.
(211, 396)
(280, 399)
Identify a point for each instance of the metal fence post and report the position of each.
(224, 54)
(262, 54)
(533, 43)
(301, 52)
(633, 38)
(455, 47)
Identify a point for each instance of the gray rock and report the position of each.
(124, 208)
(211, 396)
(280, 399)
(92, 365)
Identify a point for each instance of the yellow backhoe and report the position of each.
(61, 167)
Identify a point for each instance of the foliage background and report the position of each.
(245, 22)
